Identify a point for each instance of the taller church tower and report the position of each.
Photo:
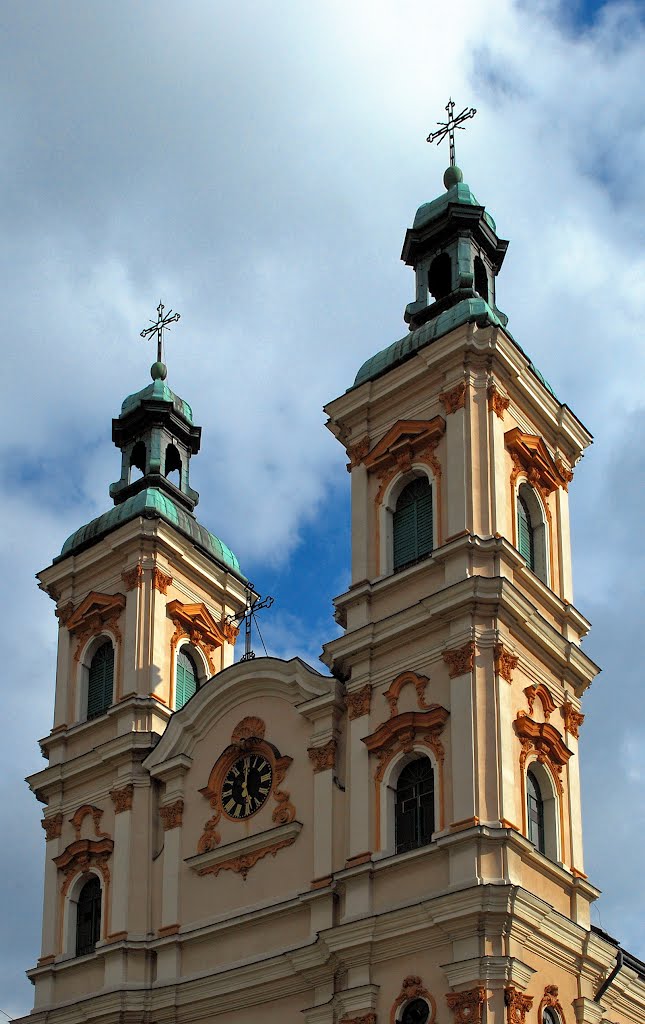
(399, 842)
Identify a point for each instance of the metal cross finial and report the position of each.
(448, 127)
(160, 325)
(253, 605)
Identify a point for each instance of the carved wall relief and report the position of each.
(517, 1005)
(467, 1006)
(323, 758)
(81, 814)
(122, 798)
(172, 815)
(550, 998)
(94, 614)
(53, 826)
(572, 719)
(497, 402)
(413, 988)
(505, 662)
(393, 692)
(247, 736)
(543, 694)
(460, 660)
(359, 702)
(133, 578)
(454, 398)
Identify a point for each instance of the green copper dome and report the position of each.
(466, 311)
(459, 193)
(158, 391)
(151, 503)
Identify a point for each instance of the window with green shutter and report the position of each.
(100, 680)
(187, 679)
(525, 533)
(413, 523)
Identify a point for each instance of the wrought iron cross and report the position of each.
(448, 127)
(161, 324)
(252, 606)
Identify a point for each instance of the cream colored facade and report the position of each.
(304, 911)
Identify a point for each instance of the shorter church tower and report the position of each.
(146, 599)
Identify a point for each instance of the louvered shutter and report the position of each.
(186, 679)
(101, 681)
(424, 524)
(413, 523)
(525, 534)
(405, 548)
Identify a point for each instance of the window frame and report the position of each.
(70, 915)
(527, 497)
(551, 809)
(83, 675)
(418, 803)
(386, 517)
(202, 672)
(387, 798)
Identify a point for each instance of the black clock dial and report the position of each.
(246, 786)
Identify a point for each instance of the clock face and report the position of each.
(246, 786)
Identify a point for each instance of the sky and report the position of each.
(256, 165)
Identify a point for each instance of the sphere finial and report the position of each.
(453, 175)
(158, 370)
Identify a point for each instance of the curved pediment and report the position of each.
(293, 681)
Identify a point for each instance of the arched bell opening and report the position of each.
(138, 457)
(173, 465)
(481, 278)
(440, 276)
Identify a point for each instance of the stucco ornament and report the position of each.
(248, 736)
(505, 662)
(454, 399)
(359, 702)
(413, 988)
(393, 691)
(323, 758)
(467, 1006)
(517, 1005)
(460, 660)
(122, 798)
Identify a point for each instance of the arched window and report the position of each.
(88, 917)
(549, 1016)
(535, 814)
(412, 523)
(416, 1012)
(414, 808)
(100, 680)
(531, 532)
(440, 276)
(525, 541)
(187, 678)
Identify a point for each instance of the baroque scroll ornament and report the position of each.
(517, 1005)
(122, 798)
(455, 398)
(460, 660)
(467, 1006)
(324, 757)
(359, 702)
(172, 815)
(53, 826)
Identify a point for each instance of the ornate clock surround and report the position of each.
(247, 737)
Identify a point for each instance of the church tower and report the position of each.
(396, 842)
(146, 599)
